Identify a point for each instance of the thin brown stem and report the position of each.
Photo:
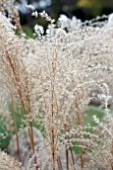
(32, 143)
(59, 163)
(17, 80)
(79, 123)
(52, 133)
(67, 159)
(72, 156)
(16, 130)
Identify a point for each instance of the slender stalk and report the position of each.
(79, 123)
(67, 159)
(53, 117)
(72, 156)
(59, 163)
(30, 131)
(53, 136)
(16, 130)
(32, 144)
(66, 151)
(17, 80)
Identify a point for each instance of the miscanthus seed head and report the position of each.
(8, 163)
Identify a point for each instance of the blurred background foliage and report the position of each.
(82, 9)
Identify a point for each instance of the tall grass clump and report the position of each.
(46, 86)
